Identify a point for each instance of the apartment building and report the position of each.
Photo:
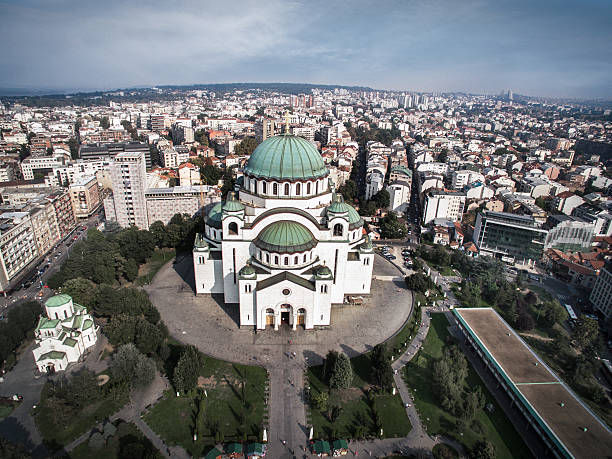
(172, 158)
(85, 196)
(601, 296)
(17, 246)
(32, 166)
(443, 204)
(109, 150)
(461, 178)
(129, 178)
(164, 203)
(264, 128)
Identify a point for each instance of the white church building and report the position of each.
(64, 335)
(286, 247)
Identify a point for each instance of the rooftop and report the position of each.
(557, 408)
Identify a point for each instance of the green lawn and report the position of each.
(159, 258)
(494, 426)
(6, 409)
(356, 410)
(172, 417)
(57, 433)
(126, 432)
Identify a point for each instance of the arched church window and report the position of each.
(298, 189)
(308, 188)
(286, 261)
(338, 230)
(275, 189)
(286, 189)
(233, 228)
(264, 187)
(305, 258)
(275, 259)
(317, 188)
(296, 261)
(267, 258)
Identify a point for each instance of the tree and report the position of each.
(201, 137)
(104, 122)
(586, 332)
(381, 367)
(391, 227)
(483, 449)
(328, 364)
(129, 365)
(342, 373)
(348, 190)
(82, 291)
(158, 230)
(419, 282)
(246, 146)
(187, 369)
(382, 199)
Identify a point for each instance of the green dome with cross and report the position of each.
(286, 157)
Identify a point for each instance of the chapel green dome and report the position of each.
(285, 237)
(58, 300)
(286, 157)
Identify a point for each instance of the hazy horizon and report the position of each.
(542, 49)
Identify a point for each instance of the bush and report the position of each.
(129, 365)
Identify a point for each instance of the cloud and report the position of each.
(545, 47)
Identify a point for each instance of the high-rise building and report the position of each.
(129, 178)
(601, 296)
(264, 128)
(109, 150)
(85, 195)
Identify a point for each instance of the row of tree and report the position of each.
(113, 257)
(20, 322)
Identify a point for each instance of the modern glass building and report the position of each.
(510, 237)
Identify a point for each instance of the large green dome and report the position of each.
(285, 237)
(286, 157)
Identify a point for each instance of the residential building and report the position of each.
(129, 178)
(109, 150)
(163, 203)
(18, 248)
(443, 204)
(85, 196)
(601, 296)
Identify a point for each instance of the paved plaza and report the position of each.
(212, 326)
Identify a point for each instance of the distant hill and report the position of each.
(36, 98)
(286, 88)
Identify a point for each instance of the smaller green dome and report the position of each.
(285, 237)
(58, 300)
(247, 271)
(324, 272)
(367, 245)
(232, 204)
(215, 215)
(338, 206)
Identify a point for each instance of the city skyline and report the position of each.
(549, 49)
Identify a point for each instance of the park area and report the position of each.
(228, 404)
(485, 421)
(358, 411)
(121, 439)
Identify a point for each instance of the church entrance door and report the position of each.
(285, 317)
(285, 313)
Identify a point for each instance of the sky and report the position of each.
(550, 48)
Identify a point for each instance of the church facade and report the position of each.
(285, 247)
